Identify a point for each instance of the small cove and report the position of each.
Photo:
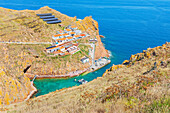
(44, 86)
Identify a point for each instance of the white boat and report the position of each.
(82, 81)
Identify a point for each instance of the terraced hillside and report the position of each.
(25, 26)
(139, 85)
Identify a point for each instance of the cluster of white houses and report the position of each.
(63, 41)
(63, 49)
(69, 34)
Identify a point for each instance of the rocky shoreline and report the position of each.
(138, 57)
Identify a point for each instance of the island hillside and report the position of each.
(19, 33)
(140, 84)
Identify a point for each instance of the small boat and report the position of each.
(82, 81)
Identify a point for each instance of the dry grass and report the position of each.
(125, 90)
(21, 56)
(25, 26)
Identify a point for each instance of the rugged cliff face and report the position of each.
(91, 26)
(137, 85)
(25, 26)
(14, 85)
(160, 52)
(13, 88)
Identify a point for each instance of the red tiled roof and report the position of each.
(72, 33)
(68, 29)
(61, 39)
(69, 37)
(57, 35)
(82, 35)
(65, 34)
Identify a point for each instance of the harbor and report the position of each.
(56, 82)
(45, 86)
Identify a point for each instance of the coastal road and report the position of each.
(2, 42)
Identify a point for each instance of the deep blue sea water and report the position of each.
(129, 26)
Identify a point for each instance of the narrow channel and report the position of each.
(45, 86)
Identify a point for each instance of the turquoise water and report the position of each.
(45, 86)
(130, 26)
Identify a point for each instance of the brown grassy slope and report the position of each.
(24, 55)
(14, 86)
(25, 26)
(126, 89)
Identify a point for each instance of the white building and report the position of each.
(78, 32)
(85, 60)
(52, 49)
(62, 49)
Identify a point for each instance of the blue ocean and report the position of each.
(129, 26)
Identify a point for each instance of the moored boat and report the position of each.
(82, 81)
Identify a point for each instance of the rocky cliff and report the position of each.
(14, 85)
(140, 84)
(91, 26)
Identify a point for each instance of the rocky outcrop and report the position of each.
(13, 88)
(89, 25)
(159, 51)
